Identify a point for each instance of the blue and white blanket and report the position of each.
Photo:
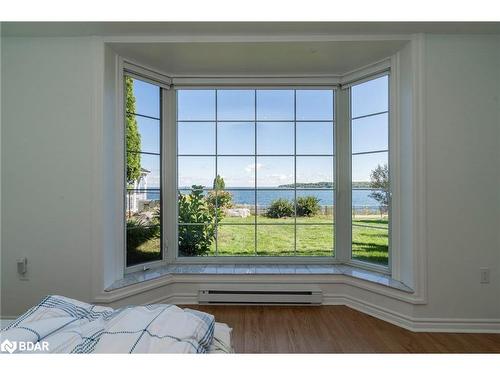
(71, 326)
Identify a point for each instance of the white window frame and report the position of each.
(347, 167)
(286, 85)
(341, 85)
(135, 71)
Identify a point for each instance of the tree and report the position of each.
(219, 183)
(379, 179)
(133, 138)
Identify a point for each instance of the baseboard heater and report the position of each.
(260, 297)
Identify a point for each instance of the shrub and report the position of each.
(139, 232)
(308, 206)
(224, 199)
(195, 240)
(280, 208)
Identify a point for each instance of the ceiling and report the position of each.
(250, 48)
(242, 28)
(258, 59)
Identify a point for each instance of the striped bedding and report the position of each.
(71, 326)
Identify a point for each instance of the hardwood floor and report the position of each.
(335, 329)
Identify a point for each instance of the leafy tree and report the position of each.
(133, 138)
(219, 183)
(379, 179)
(224, 199)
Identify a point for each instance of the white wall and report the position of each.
(47, 120)
(49, 162)
(462, 101)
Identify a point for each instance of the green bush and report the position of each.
(194, 208)
(138, 232)
(224, 199)
(308, 206)
(280, 208)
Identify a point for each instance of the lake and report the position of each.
(360, 198)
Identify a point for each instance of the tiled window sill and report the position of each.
(268, 269)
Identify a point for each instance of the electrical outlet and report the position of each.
(22, 268)
(485, 275)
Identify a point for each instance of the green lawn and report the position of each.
(315, 237)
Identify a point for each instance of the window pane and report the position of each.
(315, 138)
(275, 206)
(370, 244)
(143, 242)
(315, 171)
(235, 105)
(147, 99)
(370, 174)
(236, 240)
(149, 172)
(237, 171)
(369, 201)
(196, 138)
(196, 105)
(363, 166)
(315, 206)
(274, 171)
(196, 240)
(196, 170)
(275, 240)
(370, 97)
(194, 206)
(275, 105)
(238, 206)
(370, 133)
(275, 138)
(143, 174)
(315, 105)
(315, 240)
(256, 222)
(143, 204)
(149, 134)
(236, 138)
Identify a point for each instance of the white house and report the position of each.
(137, 195)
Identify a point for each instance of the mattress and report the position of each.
(221, 343)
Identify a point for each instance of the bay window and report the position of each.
(251, 174)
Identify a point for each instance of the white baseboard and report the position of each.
(401, 320)
(416, 324)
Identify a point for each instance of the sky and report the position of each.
(235, 123)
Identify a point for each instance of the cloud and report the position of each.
(279, 177)
(251, 167)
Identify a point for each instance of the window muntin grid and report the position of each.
(369, 129)
(284, 115)
(148, 115)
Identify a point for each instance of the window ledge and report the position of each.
(268, 269)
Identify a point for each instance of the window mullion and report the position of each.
(170, 174)
(343, 184)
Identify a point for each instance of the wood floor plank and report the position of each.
(335, 329)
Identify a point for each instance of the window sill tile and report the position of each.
(267, 269)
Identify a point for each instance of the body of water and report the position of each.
(360, 198)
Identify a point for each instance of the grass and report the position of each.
(314, 236)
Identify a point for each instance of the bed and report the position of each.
(71, 326)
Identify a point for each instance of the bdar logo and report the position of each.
(8, 346)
